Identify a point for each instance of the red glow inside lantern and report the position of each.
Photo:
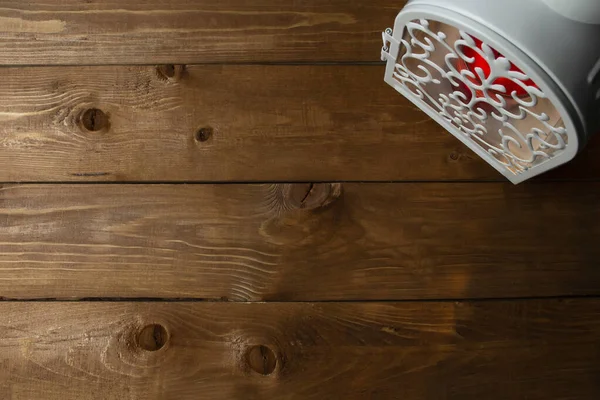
(480, 62)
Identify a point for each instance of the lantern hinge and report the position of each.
(389, 51)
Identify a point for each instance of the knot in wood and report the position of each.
(310, 196)
(170, 72)
(94, 120)
(262, 360)
(152, 337)
(204, 134)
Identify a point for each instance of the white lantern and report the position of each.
(518, 81)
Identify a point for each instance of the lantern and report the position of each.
(517, 81)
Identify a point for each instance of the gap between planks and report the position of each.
(217, 300)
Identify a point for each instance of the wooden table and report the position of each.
(223, 200)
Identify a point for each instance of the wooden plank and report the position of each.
(332, 124)
(300, 242)
(534, 350)
(191, 31)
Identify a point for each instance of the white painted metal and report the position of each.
(547, 113)
(587, 11)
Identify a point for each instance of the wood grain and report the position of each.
(267, 123)
(260, 123)
(533, 350)
(300, 242)
(191, 31)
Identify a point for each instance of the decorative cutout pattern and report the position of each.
(481, 93)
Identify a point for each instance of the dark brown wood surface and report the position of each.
(131, 135)
(534, 350)
(262, 123)
(227, 123)
(300, 242)
(191, 31)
